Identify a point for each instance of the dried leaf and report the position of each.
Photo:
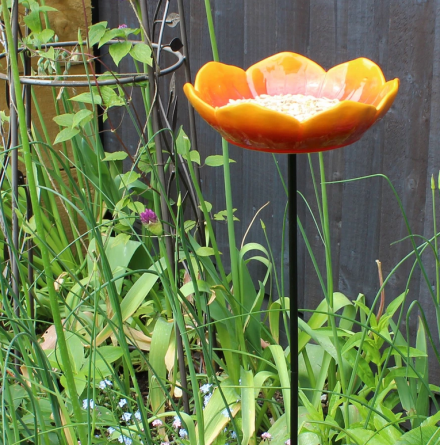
(177, 390)
(49, 338)
(173, 19)
(138, 338)
(58, 283)
(66, 430)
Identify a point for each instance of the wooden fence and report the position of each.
(403, 37)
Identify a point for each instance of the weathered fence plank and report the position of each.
(403, 37)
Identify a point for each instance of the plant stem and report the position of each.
(229, 207)
(53, 297)
(329, 269)
(434, 221)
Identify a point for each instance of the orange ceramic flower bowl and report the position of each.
(359, 85)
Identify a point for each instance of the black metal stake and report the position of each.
(13, 125)
(164, 207)
(293, 283)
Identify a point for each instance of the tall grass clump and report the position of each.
(122, 323)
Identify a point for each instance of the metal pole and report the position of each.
(293, 283)
(13, 128)
(192, 120)
(163, 204)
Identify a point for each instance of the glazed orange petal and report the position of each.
(206, 111)
(386, 97)
(216, 83)
(341, 125)
(359, 80)
(285, 73)
(253, 126)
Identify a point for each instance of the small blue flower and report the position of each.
(88, 404)
(126, 417)
(110, 430)
(225, 413)
(104, 383)
(122, 402)
(206, 399)
(137, 414)
(183, 433)
(204, 389)
(233, 435)
(125, 440)
(177, 423)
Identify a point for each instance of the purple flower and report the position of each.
(156, 422)
(148, 217)
(266, 436)
(122, 26)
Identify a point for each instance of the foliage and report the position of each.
(116, 330)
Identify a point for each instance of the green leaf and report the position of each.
(47, 9)
(363, 436)
(65, 135)
(308, 439)
(247, 405)
(115, 156)
(110, 34)
(33, 22)
(284, 374)
(105, 356)
(65, 120)
(110, 98)
(205, 251)
(142, 53)
(96, 31)
(320, 316)
(119, 50)
(280, 434)
(160, 341)
(45, 35)
(87, 98)
(137, 207)
(216, 160)
(82, 117)
(208, 206)
(189, 288)
(395, 304)
(183, 144)
(275, 309)
(134, 298)
(425, 435)
(194, 156)
(215, 414)
(128, 178)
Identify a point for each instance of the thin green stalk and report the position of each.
(434, 221)
(53, 297)
(229, 206)
(329, 269)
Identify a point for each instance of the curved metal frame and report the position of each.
(33, 80)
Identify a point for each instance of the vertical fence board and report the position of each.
(403, 37)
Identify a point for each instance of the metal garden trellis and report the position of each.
(28, 80)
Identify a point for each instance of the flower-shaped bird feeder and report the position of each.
(289, 104)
